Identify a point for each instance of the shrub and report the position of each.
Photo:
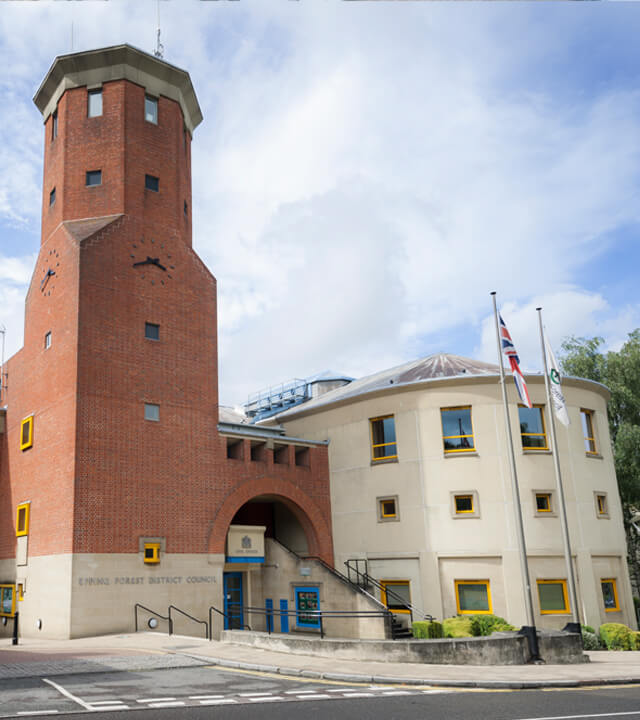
(457, 627)
(590, 640)
(589, 629)
(483, 625)
(635, 640)
(616, 636)
(426, 629)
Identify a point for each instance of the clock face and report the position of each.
(151, 261)
(50, 272)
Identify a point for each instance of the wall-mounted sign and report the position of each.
(245, 543)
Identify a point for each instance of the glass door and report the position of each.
(233, 601)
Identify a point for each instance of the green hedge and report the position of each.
(475, 625)
(616, 636)
(424, 629)
(457, 627)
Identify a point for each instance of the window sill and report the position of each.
(595, 456)
(531, 451)
(469, 453)
(384, 461)
(603, 516)
(388, 519)
(545, 514)
(466, 516)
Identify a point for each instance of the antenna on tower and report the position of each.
(159, 51)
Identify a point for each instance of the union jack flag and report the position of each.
(508, 348)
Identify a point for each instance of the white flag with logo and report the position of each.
(559, 404)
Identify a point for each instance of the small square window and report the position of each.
(152, 183)
(258, 451)
(26, 433)
(473, 597)
(152, 331)
(52, 197)
(22, 520)
(151, 109)
(610, 595)
(464, 504)
(553, 598)
(586, 416)
(54, 125)
(152, 553)
(151, 412)
(235, 449)
(396, 595)
(94, 108)
(47, 340)
(383, 439)
(281, 454)
(302, 456)
(388, 508)
(602, 505)
(543, 502)
(94, 177)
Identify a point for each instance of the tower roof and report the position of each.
(94, 67)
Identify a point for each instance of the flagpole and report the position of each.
(530, 629)
(573, 596)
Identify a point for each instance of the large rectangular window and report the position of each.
(151, 109)
(26, 433)
(532, 430)
(586, 416)
(610, 595)
(151, 182)
(94, 106)
(457, 430)
(553, 597)
(473, 597)
(54, 125)
(307, 607)
(396, 595)
(22, 519)
(383, 438)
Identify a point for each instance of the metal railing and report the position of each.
(224, 615)
(182, 612)
(152, 612)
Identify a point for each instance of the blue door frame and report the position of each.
(233, 601)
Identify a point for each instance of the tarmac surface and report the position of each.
(35, 657)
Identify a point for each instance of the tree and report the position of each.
(620, 372)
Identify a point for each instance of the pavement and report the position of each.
(35, 657)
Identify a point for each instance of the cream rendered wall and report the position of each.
(439, 544)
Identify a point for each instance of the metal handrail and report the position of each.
(224, 615)
(337, 573)
(153, 612)
(389, 593)
(202, 622)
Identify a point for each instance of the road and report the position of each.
(209, 692)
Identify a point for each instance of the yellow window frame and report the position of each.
(384, 584)
(463, 496)
(384, 514)
(154, 558)
(23, 508)
(460, 611)
(382, 445)
(591, 439)
(3, 588)
(614, 585)
(601, 501)
(28, 442)
(547, 497)
(450, 451)
(542, 434)
(563, 583)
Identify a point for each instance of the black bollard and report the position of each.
(14, 641)
(531, 634)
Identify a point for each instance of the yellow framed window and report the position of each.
(543, 502)
(152, 553)
(473, 597)
(586, 417)
(457, 429)
(464, 504)
(7, 600)
(383, 438)
(610, 595)
(396, 595)
(532, 429)
(602, 506)
(553, 597)
(388, 508)
(22, 519)
(26, 433)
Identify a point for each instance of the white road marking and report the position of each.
(301, 692)
(337, 690)
(260, 694)
(218, 702)
(175, 703)
(357, 694)
(265, 699)
(112, 707)
(150, 700)
(313, 697)
(397, 692)
(107, 702)
(67, 694)
(595, 715)
(37, 712)
(205, 697)
(433, 692)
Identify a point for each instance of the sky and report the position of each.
(368, 172)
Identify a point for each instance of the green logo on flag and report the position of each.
(555, 376)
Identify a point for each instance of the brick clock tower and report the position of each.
(117, 484)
